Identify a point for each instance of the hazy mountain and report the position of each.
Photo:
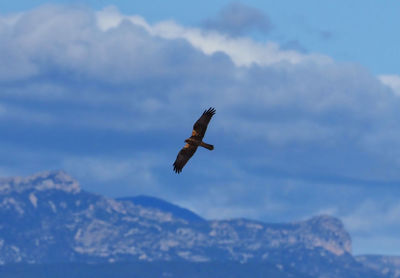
(388, 265)
(47, 218)
(156, 203)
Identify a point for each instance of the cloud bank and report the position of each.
(110, 98)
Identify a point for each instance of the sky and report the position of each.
(307, 97)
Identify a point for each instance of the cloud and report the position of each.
(392, 81)
(243, 51)
(107, 71)
(111, 98)
(237, 19)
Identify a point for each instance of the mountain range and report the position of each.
(46, 219)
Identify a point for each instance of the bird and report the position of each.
(194, 141)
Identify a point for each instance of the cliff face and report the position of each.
(48, 218)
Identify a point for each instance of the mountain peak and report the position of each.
(325, 222)
(156, 203)
(47, 180)
(333, 236)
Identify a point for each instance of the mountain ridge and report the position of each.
(47, 218)
(157, 203)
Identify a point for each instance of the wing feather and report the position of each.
(200, 126)
(183, 157)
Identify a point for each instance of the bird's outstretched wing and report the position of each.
(200, 126)
(183, 156)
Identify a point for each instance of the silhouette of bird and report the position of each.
(199, 129)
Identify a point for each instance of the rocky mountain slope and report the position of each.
(47, 218)
(387, 265)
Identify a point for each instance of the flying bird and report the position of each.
(199, 129)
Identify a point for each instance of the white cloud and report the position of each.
(392, 81)
(243, 51)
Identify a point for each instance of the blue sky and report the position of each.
(307, 98)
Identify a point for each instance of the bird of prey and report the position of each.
(199, 129)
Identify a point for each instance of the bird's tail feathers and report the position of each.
(207, 146)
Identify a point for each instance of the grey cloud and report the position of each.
(237, 19)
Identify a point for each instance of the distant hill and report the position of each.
(156, 203)
(387, 265)
(46, 220)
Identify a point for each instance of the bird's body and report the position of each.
(194, 141)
